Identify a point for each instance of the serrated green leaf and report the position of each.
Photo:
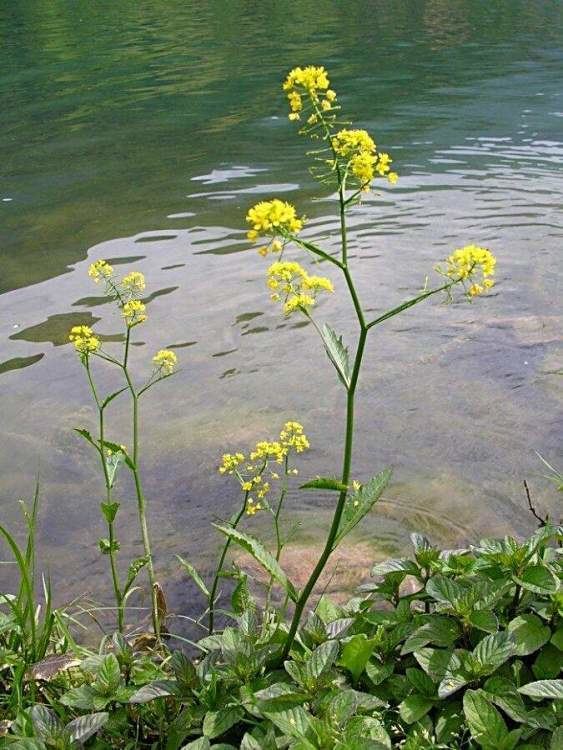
(393, 566)
(218, 722)
(81, 729)
(45, 721)
(439, 631)
(356, 653)
(359, 503)
(539, 579)
(108, 678)
(445, 590)
(295, 722)
(494, 650)
(322, 659)
(485, 723)
(153, 690)
(505, 695)
(548, 664)
(261, 555)
(421, 682)
(414, 707)
(552, 689)
(337, 353)
(484, 619)
(377, 672)
(528, 633)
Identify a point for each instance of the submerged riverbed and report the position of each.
(141, 134)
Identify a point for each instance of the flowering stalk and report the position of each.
(125, 292)
(353, 161)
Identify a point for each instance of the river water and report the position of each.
(142, 131)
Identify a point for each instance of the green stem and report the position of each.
(141, 501)
(346, 466)
(111, 528)
(213, 592)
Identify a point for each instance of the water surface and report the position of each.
(141, 132)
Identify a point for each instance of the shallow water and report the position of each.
(142, 132)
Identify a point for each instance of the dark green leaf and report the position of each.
(528, 633)
(539, 579)
(414, 707)
(356, 652)
(485, 723)
(484, 619)
(218, 722)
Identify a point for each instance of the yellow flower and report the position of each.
(298, 302)
(466, 262)
(298, 287)
(100, 269)
(272, 218)
(134, 282)
(230, 461)
(311, 82)
(246, 486)
(292, 437)
(311, 78)
(347, 143)
(266, 450)
(134, 312)
(253, 508)
(84, 340)
(357, 148)
(165, 360)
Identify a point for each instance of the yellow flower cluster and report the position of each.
(100, 269)
(292, 437)
(357, 148)
(165, 361)
(134, 282)
(310, 81)
(84, 340)
(230, 461)
(134, 312)
(467, 263)
(273, 218)
(347, 143)
(250, 474)
(291, 282)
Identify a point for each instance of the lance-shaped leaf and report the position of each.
(337, 353)
(194, 575)
(359, 503)
(261, 555)
(325, 483)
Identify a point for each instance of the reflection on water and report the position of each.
(158, 125)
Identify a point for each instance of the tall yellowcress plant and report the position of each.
(126, 293)
(349, 161)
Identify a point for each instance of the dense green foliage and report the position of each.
(452, 649)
